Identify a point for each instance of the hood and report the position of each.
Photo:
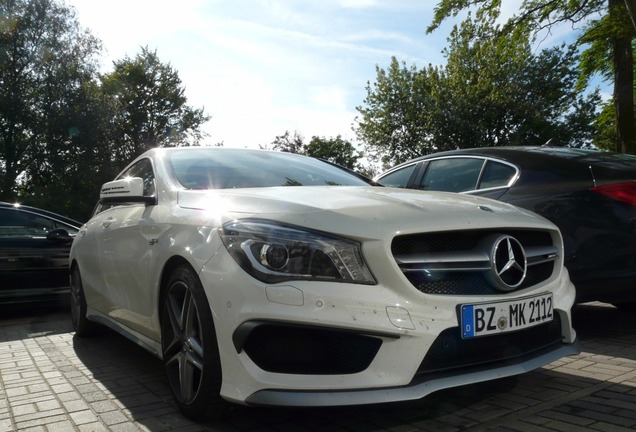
(357, 211)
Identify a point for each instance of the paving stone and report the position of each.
(83, 417)
(93, 427)
(51, 381)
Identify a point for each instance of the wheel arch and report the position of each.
(73, 264)
(170, 266)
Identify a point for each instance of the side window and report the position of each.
(452, 174)
(399, 178)
(16, 223)
(142, 169)
(496, 175)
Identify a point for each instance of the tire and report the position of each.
(81, 324)
(190, 349)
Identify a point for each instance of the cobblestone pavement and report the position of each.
(51, 381)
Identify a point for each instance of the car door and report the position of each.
(33, 259)
(125, 253)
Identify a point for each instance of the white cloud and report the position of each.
(262, 67)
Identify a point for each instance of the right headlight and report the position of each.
(272, 252)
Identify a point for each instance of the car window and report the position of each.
(452, 174)
(398, 178)
(496, 175)
(225, 169)
(17, 223)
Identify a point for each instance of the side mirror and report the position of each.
(128, 190)
(59, 235)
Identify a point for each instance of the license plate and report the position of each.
(500, 317)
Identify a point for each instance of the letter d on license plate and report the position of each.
(500, 317)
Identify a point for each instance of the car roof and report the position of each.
(529, 156)
(41, 212)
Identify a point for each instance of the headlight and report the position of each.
(273, 253)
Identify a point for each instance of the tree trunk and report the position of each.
(631, 9)
(624, 91)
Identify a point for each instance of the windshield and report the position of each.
(223, 168)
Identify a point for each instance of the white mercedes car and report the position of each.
(269, 278)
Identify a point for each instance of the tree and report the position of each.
(289, 143)
(491, 92)
(70, 182)
(335, 150)
(605, 124)
(152, 108)
(498, 92)
(65, 128)
(604, 38)
(631, 8)
(539, 15)
(397, 119)
(46, 62)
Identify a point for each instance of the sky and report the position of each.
(260, 68)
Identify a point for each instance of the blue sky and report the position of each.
(263, 67)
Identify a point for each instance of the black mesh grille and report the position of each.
(314, 351)
(466, 282)
(452, 283)
(462, 240)
(450, 351)
(474, 283)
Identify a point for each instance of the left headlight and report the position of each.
(273, 252)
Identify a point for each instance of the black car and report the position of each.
(590, 195)
(34, 251)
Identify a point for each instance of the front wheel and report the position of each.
(81, 324)
(190, 350)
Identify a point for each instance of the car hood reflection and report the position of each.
(305, 205)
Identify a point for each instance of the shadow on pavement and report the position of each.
(24, 320)
(592, 391)
(136, 378)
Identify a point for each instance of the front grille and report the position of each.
(458, 262)
(309, 350)
(450, 351)
(462, 240)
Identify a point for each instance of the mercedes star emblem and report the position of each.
(509, 263)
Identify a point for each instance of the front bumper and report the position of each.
(388, 331)
(416, 390)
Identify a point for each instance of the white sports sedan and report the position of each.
(269, 278)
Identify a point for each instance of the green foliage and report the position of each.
(289, 143)
(398, 119)
(152, 108)
(492, 92)
(598, 37)
(47, 65)
(335, 150)
(533, 15)
(63, 130)
(607, 31)
(503, 94)
(605, 124)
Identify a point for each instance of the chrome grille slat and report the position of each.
(457, 261)
(541, 254)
